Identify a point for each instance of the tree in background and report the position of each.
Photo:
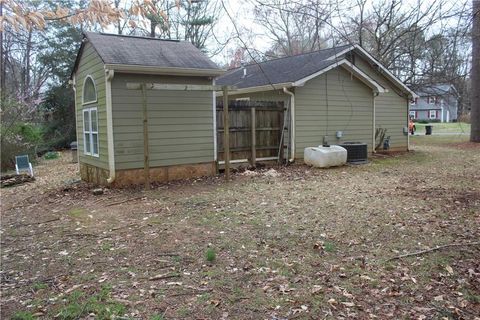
(292, 27)
(189, 20)
(475, 113)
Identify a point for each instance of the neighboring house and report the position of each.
(338, 94)
(110, 123)
(435, 103)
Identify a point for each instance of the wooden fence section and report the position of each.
(253, 143)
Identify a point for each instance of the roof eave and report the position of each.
(125, 68)
(387, 73)
(275, 86)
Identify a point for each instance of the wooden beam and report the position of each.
(146, 160)
(254, 139)
(175, 87)
(226, 133)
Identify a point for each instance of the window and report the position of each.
(413, 102)
(89, 91)
(431, 100)
(432, 114)
(413, 114)
(90, 131)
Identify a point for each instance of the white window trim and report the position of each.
(431, 100)
(413, 102)
(243, 99)
(83, 90)
(90, 132)
(430, 112)
(413, 114)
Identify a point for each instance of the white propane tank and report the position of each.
(324, 157)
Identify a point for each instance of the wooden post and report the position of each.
(146, 160)
(254, 139)
(226, 134)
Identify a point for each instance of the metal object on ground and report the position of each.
(357, 152)
(74, 151)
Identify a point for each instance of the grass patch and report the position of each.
(23, 315)
(51, 155)
(210, 255)
(77, 212)
(39, 286)
(79, 304)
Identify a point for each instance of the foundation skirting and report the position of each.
(157, 174)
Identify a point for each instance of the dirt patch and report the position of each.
(284, 243)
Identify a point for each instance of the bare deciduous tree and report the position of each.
(475, 99)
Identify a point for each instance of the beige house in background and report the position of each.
(110, 116)
(336, 95)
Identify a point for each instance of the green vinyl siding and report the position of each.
(180, 123)
(391, 107)
(334, 101)
(91, 65)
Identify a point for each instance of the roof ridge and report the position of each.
(295, 55)
(132, 36)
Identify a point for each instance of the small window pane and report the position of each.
(87, 142)
(93, 115)
(95, 143)
(86, 120)
(89, 94)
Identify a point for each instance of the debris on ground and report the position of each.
(15, 179)
(272, 173)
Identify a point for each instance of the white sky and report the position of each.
(252, 33)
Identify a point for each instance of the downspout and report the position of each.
(292, 122)
(374, 118)
(74, 86)
(111, 156)
(214, 107)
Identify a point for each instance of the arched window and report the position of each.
(89, 91)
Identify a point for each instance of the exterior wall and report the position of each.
(180, 123)
(350, 109)
(91, 64)
(391, 108)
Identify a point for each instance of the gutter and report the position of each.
(128, 68)
(292, 119)
(73, 82)
(111, 150)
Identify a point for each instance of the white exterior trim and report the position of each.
(269, 87)
(110, 143)
(83, 90)
(214, 110)
(90, 132)
(387, 73)
(126, 68)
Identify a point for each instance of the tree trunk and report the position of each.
(2, 62)
(475, 74)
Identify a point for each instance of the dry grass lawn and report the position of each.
(303, 244)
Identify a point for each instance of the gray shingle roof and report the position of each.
(281, 70)
(142, 51)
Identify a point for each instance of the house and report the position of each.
(333, 95)
(438, 102)
(127, 132)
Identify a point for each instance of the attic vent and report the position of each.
(356, 152)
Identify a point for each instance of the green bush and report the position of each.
(51, 155)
